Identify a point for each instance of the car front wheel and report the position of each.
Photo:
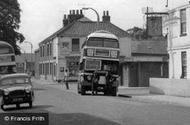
(2, 107)
(17, 106)
(30, 104)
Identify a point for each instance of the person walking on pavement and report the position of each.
(66, 77)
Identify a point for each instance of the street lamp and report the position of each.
(31, 47)
(166, 3)
(98, 17)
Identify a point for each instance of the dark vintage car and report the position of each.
(16, 89)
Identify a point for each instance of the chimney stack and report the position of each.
(73, 15)
(65, 20)
(106, 17)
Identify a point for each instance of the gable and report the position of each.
(82, 29)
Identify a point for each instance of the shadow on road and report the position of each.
(35, 108)
(39, 89)
(78, 119)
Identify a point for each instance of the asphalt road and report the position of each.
(66, 107)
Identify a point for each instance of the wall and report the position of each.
(178, 43)
(177, 40)
(125, 46)
(173, 87)
(176, 66)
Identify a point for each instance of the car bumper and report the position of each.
(17, 100)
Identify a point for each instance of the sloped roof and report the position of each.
(84, 26)
(156, 47)
(81, 28)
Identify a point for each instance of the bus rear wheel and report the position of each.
(83, 91)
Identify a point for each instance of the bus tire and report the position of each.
(114, 91)
(83, 91)
(78, 90)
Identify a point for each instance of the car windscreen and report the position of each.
(14, 81)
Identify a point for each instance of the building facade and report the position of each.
(140, 60)
(25, 63)
(61, 50)
(177, 27)
(148, 59)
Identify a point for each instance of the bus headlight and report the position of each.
(114, 54)
(14, 69)
(90, 52)
(28, 89)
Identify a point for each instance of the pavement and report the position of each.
(151, 98)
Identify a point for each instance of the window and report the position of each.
(75, 45)
(184, 64)
(47, 49)
(183, 21)
(43, 47)
(40, 51)
(40, 69)
(43, 68)
(51, 68)
(103, 42)
(50, 49)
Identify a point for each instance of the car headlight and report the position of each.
(6, 92)
(90, 52)
(114, 54)
(88, 77)
(28, 89)
(81, 78)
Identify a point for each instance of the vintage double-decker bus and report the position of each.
(99, 64)
(7, 58)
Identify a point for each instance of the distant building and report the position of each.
(25, 62)
(177, 27)
(36, 64)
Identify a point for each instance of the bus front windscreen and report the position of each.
(103, 42)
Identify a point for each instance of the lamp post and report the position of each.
(98, 17)
(166, 3)
(31, 53)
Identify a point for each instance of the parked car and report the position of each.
(16, 89)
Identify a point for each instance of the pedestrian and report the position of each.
(66, 79)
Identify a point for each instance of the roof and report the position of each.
(6, 43)
(178, 8)
(83, 27)
(150, 47)
(14, 75)
(102, 33)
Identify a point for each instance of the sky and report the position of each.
(41, 18)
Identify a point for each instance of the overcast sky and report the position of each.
(41, 18)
